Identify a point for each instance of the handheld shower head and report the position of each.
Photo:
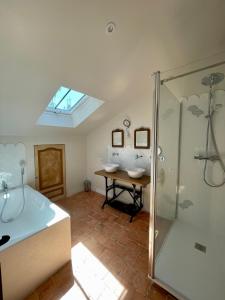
(22, 165)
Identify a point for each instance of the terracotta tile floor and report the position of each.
(109, 256)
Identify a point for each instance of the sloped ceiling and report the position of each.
(48, 43)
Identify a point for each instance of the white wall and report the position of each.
(12, 157)
(99, 140)
(75, 158)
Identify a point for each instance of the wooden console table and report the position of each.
(135, 191)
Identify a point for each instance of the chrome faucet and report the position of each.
(138, 156)
(4, 186)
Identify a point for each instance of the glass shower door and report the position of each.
(189, 203)
(167, 164)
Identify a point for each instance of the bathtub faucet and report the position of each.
(4, 186)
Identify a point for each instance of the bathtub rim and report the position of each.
(49, 202)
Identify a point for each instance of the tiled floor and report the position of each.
(109, 256)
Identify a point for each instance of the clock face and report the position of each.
(126, 123)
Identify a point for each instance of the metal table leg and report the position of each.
(136, 195)
(114, 189)
(106, 192)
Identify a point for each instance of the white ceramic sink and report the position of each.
(111, 167)
(136, 172)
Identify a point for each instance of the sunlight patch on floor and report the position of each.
(74, 293)
(94, 278)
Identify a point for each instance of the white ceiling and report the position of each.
(49, 43)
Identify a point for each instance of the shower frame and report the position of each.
(154, 169)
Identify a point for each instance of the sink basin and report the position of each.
(111, 167)
(136, 173)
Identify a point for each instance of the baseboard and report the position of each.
(97, 190)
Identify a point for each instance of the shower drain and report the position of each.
(200, 247)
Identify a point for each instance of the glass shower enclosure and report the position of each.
(187, 231)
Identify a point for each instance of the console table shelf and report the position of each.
(135, 191)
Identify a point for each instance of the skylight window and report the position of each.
(65, 100)
(68, 108)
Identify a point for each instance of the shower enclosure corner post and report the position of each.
(154, 143)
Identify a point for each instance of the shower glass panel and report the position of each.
(166, 210)
(190, 191)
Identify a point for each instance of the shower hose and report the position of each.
(210, 129)
(2, 219)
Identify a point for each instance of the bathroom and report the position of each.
(90, 85)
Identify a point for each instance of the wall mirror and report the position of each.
(142, 138)
(118, 138)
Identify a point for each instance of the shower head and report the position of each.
(212, 79)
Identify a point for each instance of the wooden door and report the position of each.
(50, 170)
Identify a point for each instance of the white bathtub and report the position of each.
(39, 213)
(39, 241)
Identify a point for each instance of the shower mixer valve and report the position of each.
(204, 157)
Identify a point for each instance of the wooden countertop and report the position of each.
(123, 176)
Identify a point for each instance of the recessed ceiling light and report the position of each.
(110, 28)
